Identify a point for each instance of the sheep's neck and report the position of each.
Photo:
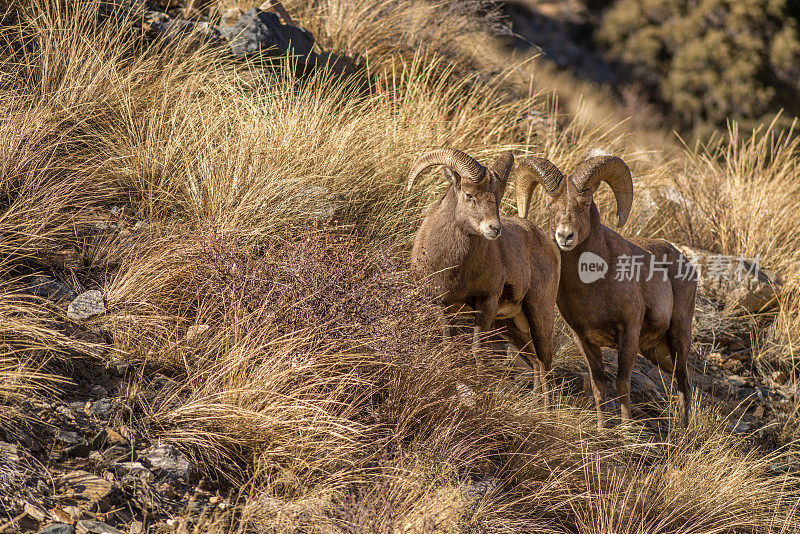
(456, 244)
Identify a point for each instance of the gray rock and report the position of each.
(478, 488)
(70, 438)
(125, 468)
(58, 528)
(739, 427)
(87, 526)
(49, 288)
(103, 409)
(168, 459)
(261, 32)
(78, 406)
(736, 282)
(66, 411)
(86, 305)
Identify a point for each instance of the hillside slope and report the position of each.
(208, 325)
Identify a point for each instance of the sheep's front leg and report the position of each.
(444, 323)
(627, 348)
(594, 359)
(486, 311)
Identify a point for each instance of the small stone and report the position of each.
(29, 441)
(85, 485)
(137, 527)
(81, 450)
(58, 528)
(759, 411)
(59, 514)
(35, 512)
(66, 411)
(70, 438)
(74, 512)
(87, 526)
(169, 460)
(260, 31)
(466, 395)
(78, 406)
(86, 305)
(739, 427)
(126, 468)
(107, 437)
(103, 409)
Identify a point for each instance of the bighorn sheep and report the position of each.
(505, 269)
(648, 312)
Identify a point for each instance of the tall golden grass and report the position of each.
(321, 394)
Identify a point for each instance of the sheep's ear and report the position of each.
(452, 177)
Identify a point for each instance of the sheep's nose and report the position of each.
(565, 237)
(491, 230)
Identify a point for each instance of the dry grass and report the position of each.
(321, 393)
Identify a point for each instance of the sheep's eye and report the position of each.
(469, 197)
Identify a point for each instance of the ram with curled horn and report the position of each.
(503, 268)
(635, 295)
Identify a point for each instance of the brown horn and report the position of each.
(613, 171)
(464, 165)
(532, 172)
(502, 166)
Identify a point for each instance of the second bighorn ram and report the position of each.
(646, 310)
(505, 269)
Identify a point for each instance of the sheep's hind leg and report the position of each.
(679, 339)
(521, 339)
(541, 320)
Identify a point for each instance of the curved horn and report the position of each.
(464, 165)
(502, 166)
(532, 172)
(614, 172)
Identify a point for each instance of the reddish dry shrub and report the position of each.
(321, 279)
